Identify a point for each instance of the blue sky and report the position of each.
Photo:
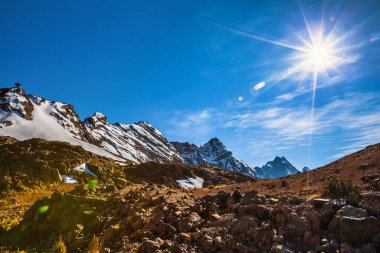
(190, 68)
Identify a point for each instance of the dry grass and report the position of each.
(94, 245)
(59, 246)
(13, 207)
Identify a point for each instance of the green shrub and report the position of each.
(341, 189)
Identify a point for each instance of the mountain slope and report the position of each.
(212, 153)
(279, 167)
(25, 116)
(363, 167)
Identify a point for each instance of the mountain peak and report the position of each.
(99, 116)
(279, 167)
(143, 123)
(95, 119)
(15, 100)
(213, 153)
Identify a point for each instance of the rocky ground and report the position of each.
(139, 208)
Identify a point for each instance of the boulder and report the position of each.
(358, 230)
(149, 246)
(297, 225)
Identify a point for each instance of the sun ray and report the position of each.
(252, 36)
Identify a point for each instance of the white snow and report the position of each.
(138, 142)
(83, 168)
(190, 183)
(69, 179)
(44, 126)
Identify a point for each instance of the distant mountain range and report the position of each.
(279, 167)
(24, 116)
(212, 153)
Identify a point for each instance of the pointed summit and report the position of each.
(279, 167)
(95, 119)
(213, 153)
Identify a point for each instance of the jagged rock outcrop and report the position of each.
(213, 153)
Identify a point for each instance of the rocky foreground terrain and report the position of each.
(140, 208)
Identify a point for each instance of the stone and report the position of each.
(184, 237)
(165, 229)
(358, 230)
(280, 218)
(353, 212)
(206, 243)
(327, 212)
(297, 225)
(367, 248)
(318, 203)
(215, 217)
(111, 232)
(278, 238)
(233, 199)
(249, 197)
(259, 211)
(149, 246)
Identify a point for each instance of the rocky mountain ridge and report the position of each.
(213, 153)
(24, 116)
(279, 167)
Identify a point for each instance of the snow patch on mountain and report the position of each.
(25, 116)
(190, 183)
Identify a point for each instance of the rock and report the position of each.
(257, 210)
(215, 217)
(345, 211)
(206, 243)
(278, 238)
(184, 237)
(233, 199)
(219, 243)
(188, 223)
(166, 229)
(314, 219)
(345, 248)
(353, 212)
(149, 246)
(111, 232)
(330, 247)
(249, 197)
(297, 225)
(376, 238)
(358, 230)
(280, 218)
(222, 198)
(367, 248)
(327, 212)
(138, 222)
(318, 203)
(74, 233)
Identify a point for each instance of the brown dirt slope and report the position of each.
(362, 166)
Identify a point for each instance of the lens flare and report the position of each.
(42, 209)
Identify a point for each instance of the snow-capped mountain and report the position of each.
(25, 116)
(279, 167)
(212, 153)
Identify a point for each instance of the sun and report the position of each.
(319, 56)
